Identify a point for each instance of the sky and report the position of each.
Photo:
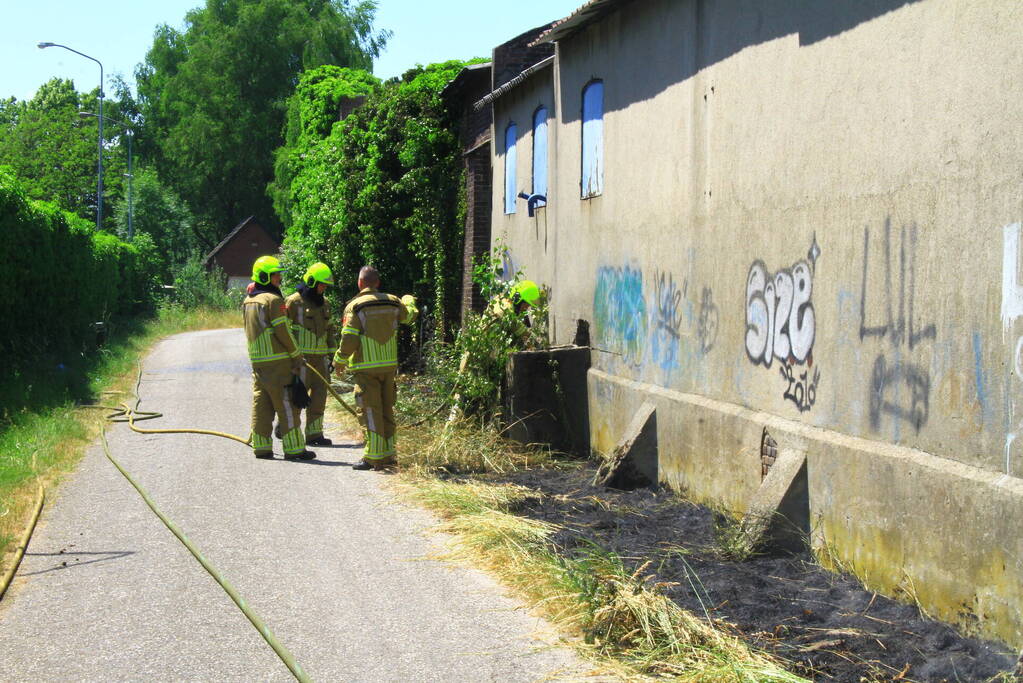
(119, 32)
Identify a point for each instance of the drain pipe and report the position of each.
(532, 200)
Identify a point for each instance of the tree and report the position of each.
(160, 214)
(54, 151)
(213, 95)
(311, 114)
(384, 187)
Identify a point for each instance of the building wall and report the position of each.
(237, 256)
(530, 239)
(746, 146)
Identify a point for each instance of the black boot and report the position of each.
(320, 440)
(362, 465)
(304, 455)
(265, 456)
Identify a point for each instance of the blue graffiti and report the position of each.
(978, 372)
(620, 313)
(667, 321)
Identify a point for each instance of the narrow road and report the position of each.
(338, 569)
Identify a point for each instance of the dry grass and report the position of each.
(41, 448)
(620, 618)
(626, 622)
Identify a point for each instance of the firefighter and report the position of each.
(276, 360)
(369, 348)
(512, 309)
(309, 314)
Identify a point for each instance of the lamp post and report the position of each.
(129, 175)
(99, 172)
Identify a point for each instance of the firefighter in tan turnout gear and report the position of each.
(275, 359)
(309, 314)
(369, 348)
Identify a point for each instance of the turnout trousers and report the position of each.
(317, 394)
(375, 393)
(269, 397)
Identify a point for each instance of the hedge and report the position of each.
(62, 276)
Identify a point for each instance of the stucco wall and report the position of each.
(531, 240)
(810, 216)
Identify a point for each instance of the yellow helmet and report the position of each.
(527, 291)
(263, 268)
(318, 272)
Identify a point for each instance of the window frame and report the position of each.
(545, 156)
(597, 165)
(510, 159)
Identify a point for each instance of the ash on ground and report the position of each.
(825, 625)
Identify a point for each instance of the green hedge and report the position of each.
(62, 276)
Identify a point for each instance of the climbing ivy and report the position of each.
(382, 186)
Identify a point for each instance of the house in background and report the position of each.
(236, 252)
(794, 230)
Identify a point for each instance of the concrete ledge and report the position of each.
(778, 517)
(908, 523)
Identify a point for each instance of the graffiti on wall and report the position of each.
(780, 320)
(802, 386)
(898, 387)
(707, 326)
(620, 312)
(781, 324)
(1012, 309)
(645, 319)
(666, 320)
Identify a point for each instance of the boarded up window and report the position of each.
(540, 152)
(593, 140)
(509, 169)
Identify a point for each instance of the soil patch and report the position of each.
(826, 625)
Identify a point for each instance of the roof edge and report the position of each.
(510, 85)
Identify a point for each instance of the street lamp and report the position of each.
(99, 186)
(129, 175)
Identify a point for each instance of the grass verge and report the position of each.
(37, 447)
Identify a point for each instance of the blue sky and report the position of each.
(118, 33)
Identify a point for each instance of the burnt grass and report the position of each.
(826, 626)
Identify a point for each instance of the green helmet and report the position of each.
(526, 291)
(263, 267)
(318, 272)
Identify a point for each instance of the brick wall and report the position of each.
(479, 182)
(512, 57)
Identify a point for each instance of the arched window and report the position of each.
(540, 152)
(509, 169)
(592, 181)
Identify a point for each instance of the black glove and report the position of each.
(299, 393)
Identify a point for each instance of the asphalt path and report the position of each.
(345, 575)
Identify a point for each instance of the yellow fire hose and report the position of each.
(268, 636)
(22, 545)
(125, 413)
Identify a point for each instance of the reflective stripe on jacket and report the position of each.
(310, 325)
(369, 336)
(266, 329)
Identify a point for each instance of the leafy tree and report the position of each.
(213, 95)
(311, 114)
(54, 151)
(162, 216)
(384, 188)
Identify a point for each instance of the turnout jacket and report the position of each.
(310, 324)
(266, 326)
(369, 339)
